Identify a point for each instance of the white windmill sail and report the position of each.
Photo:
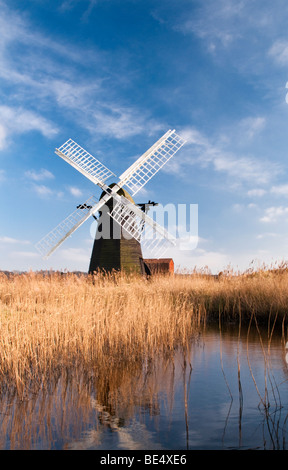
(48, 244)
(138, 174)
(84, 162)
(128, 215)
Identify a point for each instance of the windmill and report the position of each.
(130, 218)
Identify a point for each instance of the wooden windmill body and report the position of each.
(113, 249)
(122, 251)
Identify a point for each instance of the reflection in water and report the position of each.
(228, 389)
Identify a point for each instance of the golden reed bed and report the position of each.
(53, 323)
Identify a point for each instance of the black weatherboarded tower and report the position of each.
(113, 249)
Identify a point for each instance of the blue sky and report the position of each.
(115, 75)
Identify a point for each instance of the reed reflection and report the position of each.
(222, 389)
(82, 410)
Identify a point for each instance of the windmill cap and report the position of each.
(121, 192)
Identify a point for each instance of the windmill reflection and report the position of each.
(82, 410)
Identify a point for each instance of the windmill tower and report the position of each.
(122, 250)
(112, 249)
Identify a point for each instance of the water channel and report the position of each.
(228, 390)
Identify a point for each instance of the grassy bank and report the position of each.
(60, 322)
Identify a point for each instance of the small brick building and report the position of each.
(160, 266)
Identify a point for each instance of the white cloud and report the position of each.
(233, 21)
(72, 94)
(24, 254)
(75, 191)
(267, 235)
(39, 175)
(34, 74)
(258, 192)
(69, 4)
(238, 207)
(94, 103)
(44, 191)
(243, 168)
(11, 240)
(193, 136)
(214, 25)
(279, 52)
(272, 214)
(76, 254)
(281, 190)
(119, 121)
(221, 26)
(15, 120)
(252, 125)
(3, 136)
(200, 259)
(201, 151)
